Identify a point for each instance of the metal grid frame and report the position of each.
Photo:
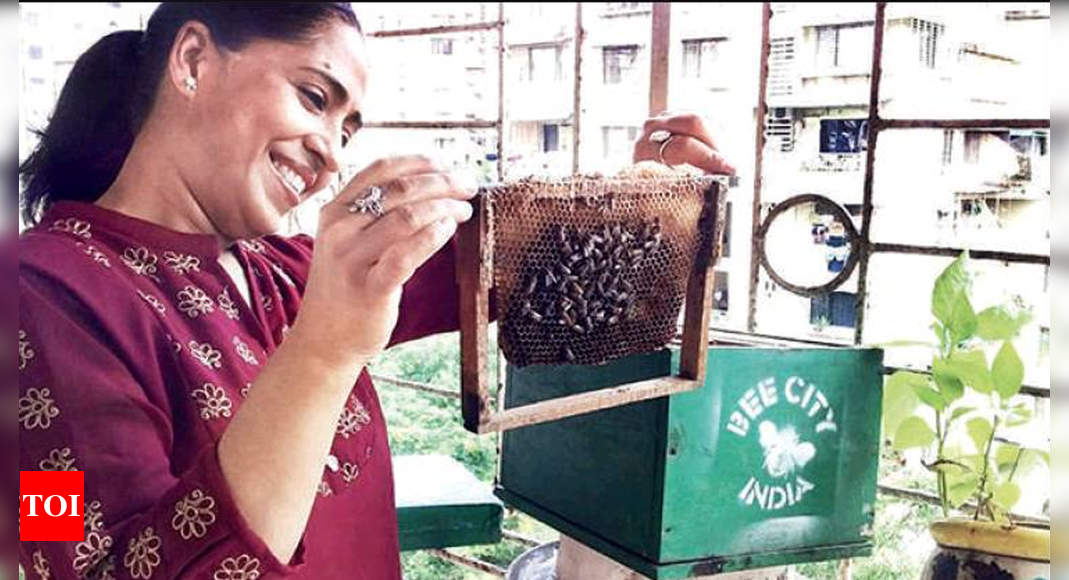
(660, 49)
(877, 124)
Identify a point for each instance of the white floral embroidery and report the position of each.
(324, 489)
(193, 515)
(213, 401)
(245, 390)
(353, 418)
(182, 263)
(37, 409)
(142, 261)
(94, 517)
(98, 256)
(143, 554)
(252, 245)
(245, 352)
(73, 226)
(25, 350)
(40, 565)
(106, 570)
(90, 553)
(244, 567)
(207, 355)
(193, 302)
(58, 460)
(226, 304)
(349, 471)
(153, 302)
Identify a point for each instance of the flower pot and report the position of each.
(976, 550)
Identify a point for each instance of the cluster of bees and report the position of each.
(587, 287)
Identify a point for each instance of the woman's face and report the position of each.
(268, 125)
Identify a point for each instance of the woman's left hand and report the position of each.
(690, 143)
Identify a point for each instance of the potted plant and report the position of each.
(956, 415)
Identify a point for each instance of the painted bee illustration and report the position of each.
(784, 453)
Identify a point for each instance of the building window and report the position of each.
(843, 135)
(700, 56)
(834, 309)
(442, 46)
(846, 46)
(928, 35)
(619, 63)
(550, 138)
(542, 64)
(720, 291)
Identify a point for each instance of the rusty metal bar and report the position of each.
(469, 562)
(577, 84)
(501, 92)
(921, 496)
(418, 386)
(659, 48)
(870, 163)
(473, 124)
(446, 29)
(963, 124)
(520, 538)
(1014, 257)
(759, 157)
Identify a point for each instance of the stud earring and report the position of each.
(191, 84)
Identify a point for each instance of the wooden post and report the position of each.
(699, 299)
(473, 277)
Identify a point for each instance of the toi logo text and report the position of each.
(51, 506)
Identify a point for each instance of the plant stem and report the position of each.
(1016, 462)
(980, 494)
(941, 476)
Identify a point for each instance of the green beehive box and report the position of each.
(773, 461)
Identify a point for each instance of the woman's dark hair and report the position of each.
(112, 87)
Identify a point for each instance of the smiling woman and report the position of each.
(155, 300)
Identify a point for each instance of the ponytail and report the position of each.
(91, 129)
(112, 88)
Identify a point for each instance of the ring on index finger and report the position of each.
(664, 138)
(370, 202)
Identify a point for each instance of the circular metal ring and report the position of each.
(852, 238)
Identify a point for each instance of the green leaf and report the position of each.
(1007, 371)
(929, 396)
(958, 413)
(1000, 323)
(962, 323)
(1007, 495)
(969, 367)
(979, 431)
(913, 432)
(961, 487)
(899, 399)
(1019, 414)
(951, 288)
(949, 385)
(1006, 456)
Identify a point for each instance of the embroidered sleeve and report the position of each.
(95, 393)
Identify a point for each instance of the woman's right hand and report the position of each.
(351, 301)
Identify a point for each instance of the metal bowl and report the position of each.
(538, 563)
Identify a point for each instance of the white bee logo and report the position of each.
(784, 453)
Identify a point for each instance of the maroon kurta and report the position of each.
(135, 351)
